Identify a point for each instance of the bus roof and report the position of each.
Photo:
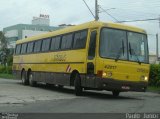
(92, 24)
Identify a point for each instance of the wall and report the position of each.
(29, 33)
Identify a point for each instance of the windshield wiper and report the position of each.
(120, 52)
(132, 52)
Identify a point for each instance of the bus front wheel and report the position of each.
(60, 86)
(23, 78)
(77, 85)
(31, 81)
(115, 93)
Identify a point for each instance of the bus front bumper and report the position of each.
(112, 84)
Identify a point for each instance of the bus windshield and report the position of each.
(123, 45)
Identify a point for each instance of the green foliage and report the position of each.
(154, 75)
(6, 57)
(5, 53)
(10, 60)
(9, 70)
(7, 76)
(3, 41)
(6, 69)
(2, 69)
(153, 88)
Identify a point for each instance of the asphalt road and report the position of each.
(16, 98)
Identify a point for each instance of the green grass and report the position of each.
(6, 76)
(153, 88)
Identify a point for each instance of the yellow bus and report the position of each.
(90, 56)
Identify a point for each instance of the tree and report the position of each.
(4, 51)
(3, 41)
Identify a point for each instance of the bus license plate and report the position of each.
(125, 87)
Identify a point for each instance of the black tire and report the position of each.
(31, 81)
(60, 86)
(49, 85)
(24, 78)
(77, 85)
(115, 93)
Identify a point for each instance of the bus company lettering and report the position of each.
(142, 70)
(60, 57)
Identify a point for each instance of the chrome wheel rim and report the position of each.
(23, 79)
(30, 78)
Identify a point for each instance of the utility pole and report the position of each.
(157, 43)
(96, 10)
(159, 21)
(157, 48)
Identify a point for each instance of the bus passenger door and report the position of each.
(90, 77)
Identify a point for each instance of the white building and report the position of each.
(39, 25)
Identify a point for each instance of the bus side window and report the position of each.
(18, 49)
(23, 49)
(63, 43)
(37, 46)
(15, 50)
(55, 43)
(67, 41)
(76, 40)
(30, 47)
(92, 45)
(45, 45)
(80, 40)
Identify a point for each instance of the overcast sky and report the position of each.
(75, 12)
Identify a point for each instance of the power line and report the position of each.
(89, 8)
(136, 11)
(109, 14)
(125, 8)
(134, 4)
(139, 20)
(130, 14)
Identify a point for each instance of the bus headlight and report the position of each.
(107, 74)
(104, 74)
(146, 78)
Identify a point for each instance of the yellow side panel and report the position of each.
(65, 61)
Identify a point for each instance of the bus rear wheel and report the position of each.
(49, 85)
(77, 85)
(115, 93)
(24, 78)
(31, 81)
